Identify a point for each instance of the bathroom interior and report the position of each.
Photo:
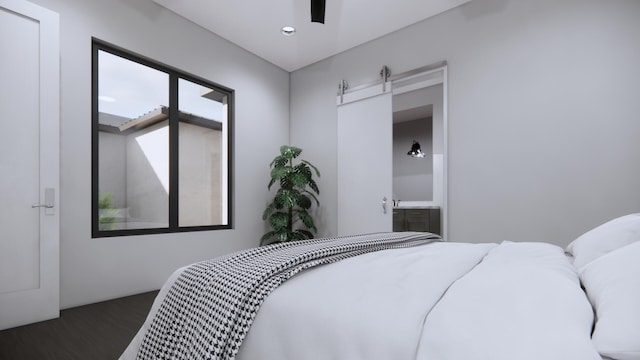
(418, 160)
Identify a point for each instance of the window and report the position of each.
(161, 147)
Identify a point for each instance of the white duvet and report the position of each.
(442, 301)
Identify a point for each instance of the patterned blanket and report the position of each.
(209, 309)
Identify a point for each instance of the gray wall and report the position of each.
(543, 113)
(430, 95)
(200, 176)
(98, 269)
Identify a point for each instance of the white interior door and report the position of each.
(365, 176)
(29, 163)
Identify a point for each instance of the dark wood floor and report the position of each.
(92, 332)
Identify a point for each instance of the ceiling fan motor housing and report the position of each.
(317, 11)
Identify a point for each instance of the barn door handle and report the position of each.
(384, 205)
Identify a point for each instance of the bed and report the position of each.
(408, 296)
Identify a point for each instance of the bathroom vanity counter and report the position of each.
(414, 217)
(401, 207)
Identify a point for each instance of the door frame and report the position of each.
(421, 78)
(415, 79)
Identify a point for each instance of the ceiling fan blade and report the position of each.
(317, 11)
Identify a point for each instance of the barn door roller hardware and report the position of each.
(343, 85)
(384, 74)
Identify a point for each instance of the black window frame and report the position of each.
(174, 122)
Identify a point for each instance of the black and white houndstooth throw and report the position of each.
(209, 309)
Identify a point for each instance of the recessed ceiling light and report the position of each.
(288, 30)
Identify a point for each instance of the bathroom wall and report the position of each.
(413, 177)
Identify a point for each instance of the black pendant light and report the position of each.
(317, 11)
(415, 151)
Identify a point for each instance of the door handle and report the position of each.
(384, 205)
(46, 206)
(49, 201)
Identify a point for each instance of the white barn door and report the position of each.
(29, 163)
(365, 177)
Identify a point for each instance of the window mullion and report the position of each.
(174, 128)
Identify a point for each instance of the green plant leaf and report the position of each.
(268, 236)
(313, 167)
(298, 179)
(303, 170)
(312, 195)
(279, 161)
(286, 182)
(304, 202)
(279, 172)
(107, 212)
(278, 221)
(277, 203)
(314, 186)
(288, 197)
(306, 219)
(273, 181)
(270, 209)
(290, 152)
(297, 236)
(284, 236)
(104, 200)
(305, 233)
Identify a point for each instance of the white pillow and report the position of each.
(605, 238)
(612, 283)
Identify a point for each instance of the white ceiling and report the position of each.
(255, 24)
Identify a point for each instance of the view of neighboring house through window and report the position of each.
(161, 141)
(202, 123)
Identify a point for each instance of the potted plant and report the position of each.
(288, 213)
(106, 212)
